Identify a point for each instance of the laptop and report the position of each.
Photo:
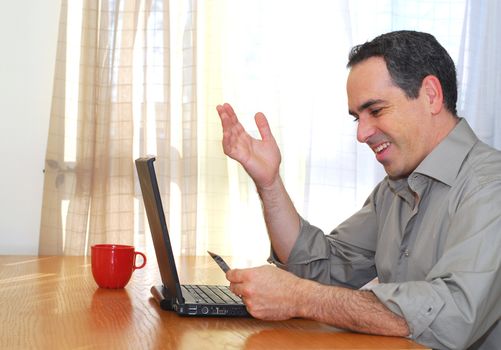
(188, 300)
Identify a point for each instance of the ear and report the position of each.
(433, 91)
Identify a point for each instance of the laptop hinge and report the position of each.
(163, 297)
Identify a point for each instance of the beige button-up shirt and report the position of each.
(433, 240)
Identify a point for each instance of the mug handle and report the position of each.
(135, 258)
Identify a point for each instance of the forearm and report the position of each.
(356, 310)
(281, 217)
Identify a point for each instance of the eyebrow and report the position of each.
(365, 105)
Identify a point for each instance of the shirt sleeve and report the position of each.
(458, 302)
(345, 257)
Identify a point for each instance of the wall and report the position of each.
(28, 37)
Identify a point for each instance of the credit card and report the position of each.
(222, 264)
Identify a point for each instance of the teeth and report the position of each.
(381, 147)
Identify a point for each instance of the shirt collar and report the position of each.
(444, 162)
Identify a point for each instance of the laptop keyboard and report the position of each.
(213, 294)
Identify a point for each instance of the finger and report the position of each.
(225, 111)
(229, 109)
(220, 110)
(234, 276)
(226, 120)
(263, 127)
(236, 289)
(229, 120)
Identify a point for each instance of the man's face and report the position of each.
(396, 128)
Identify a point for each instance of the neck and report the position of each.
(444, 123)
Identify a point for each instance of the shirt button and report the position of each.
(406, 252)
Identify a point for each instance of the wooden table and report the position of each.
(54, 303)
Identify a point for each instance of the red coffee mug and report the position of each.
(113, 264)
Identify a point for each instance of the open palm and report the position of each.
(260, 158)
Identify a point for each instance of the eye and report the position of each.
(355, 119)
(375, 112)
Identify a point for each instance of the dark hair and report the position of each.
(410, 56)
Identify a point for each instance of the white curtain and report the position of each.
(286, 59)
(123, 88)
(290, 64)
(479, 69)
(176, 60)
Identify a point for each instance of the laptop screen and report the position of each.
(158, 226)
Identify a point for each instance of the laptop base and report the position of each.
(166, 302)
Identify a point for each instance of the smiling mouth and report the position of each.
(381, 147)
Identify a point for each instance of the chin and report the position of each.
(396, 175)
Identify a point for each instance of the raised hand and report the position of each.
(260, 158)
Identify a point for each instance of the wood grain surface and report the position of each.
(54, 303)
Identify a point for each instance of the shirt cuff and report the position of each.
(306, 248)
(417, 302)
(273, 259)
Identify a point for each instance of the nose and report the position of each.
(365, 129)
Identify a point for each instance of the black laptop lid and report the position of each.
(158, 226)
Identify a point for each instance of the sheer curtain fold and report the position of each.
(138, 77)
(479, 69)
(89, 189)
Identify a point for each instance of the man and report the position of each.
(430, 231)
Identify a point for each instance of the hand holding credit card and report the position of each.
(222, 264)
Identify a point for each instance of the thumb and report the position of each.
(263, 126)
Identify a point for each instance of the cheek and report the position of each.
(409, 131)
